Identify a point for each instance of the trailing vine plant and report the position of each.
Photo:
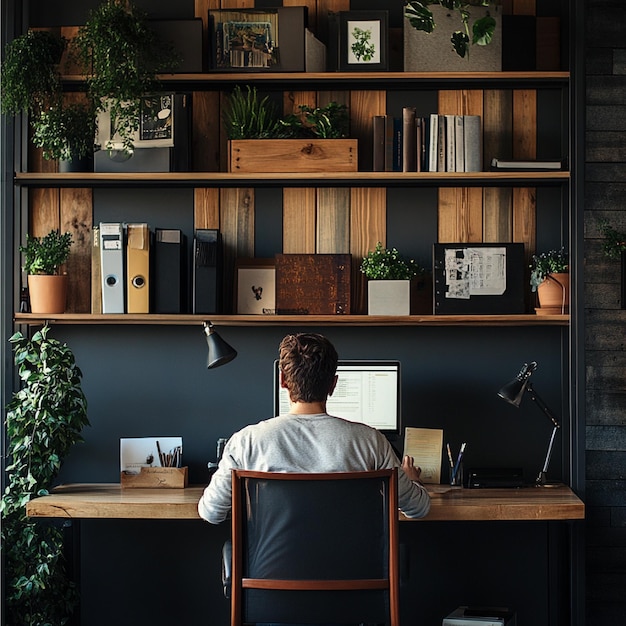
(44, 420)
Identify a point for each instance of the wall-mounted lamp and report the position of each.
(513, 392)
(220, 352)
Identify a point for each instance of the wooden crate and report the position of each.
(292, 155)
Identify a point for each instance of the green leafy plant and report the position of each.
(388, 264)
(121, 57)
(482, 29)
(31, 81)
(44, 420)
(44, 255)
(66, 132)
(615, 241)
(247, 116)
(551, 262)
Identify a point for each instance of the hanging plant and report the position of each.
(121, 57)
(44, 420)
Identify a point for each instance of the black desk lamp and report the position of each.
(220, 352)
(513, 392)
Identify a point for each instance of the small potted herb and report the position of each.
(390, 276)
(43, 258)
(549, 277)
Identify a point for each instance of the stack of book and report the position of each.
(436, 143)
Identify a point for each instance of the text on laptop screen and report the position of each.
(366, 391)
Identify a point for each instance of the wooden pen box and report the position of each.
(155, 478)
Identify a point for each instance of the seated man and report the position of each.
(307, 439)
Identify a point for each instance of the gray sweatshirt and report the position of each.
(307, 443)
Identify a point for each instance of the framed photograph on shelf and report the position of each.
(255, 290)
(362, 41)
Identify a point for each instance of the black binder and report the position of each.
(449, 283)
(207, 269)
(170, 271)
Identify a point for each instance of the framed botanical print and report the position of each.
(362, 41)
(255, 289)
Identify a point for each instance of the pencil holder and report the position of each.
(155, 478)
(456, 480)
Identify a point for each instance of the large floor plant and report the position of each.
(44, 420)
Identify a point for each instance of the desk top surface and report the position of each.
(110, 501)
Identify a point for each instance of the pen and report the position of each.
(458, 460)
(450, 455)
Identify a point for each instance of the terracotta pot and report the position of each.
(48, 294)
(553, 295)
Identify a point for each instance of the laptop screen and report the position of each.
(367, 391)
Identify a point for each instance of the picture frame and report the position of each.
(363, 41)
(255, 286)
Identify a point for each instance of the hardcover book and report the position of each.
(313, 284)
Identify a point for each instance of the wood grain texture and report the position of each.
(363, 106)
(76, 217)
(299, 220)
(110, 501)
(368, 226)
(206, 213)
(497, 142)
(333, 220)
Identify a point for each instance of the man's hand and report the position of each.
(408, 466)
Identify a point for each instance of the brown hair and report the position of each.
(308, 362)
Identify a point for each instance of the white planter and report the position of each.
(433, 52)
(389, 297)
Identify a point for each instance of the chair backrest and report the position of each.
(315, 548)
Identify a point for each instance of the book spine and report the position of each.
(397, 144)
(473, 143)
(450, 144)
(459, 144)
(388, 143)
(433, 134)
(409, 140)
(378, 142)
(441, 143)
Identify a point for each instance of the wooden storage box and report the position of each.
(155, 478)
(292, 155)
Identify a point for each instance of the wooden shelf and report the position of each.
(294, 320)
(317, 179)
(370, 80)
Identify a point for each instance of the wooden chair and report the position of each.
(315, 548)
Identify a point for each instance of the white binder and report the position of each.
(112, 256)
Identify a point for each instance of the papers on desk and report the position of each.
(139, 452)
(425, 445)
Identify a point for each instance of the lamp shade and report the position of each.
(220, 352)
(513, 391)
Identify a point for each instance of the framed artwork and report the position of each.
(255, 289)
(362, 41)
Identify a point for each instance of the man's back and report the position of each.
(306, 443)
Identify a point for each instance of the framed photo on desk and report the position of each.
(362, 41)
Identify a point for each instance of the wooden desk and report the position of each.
(109, 501)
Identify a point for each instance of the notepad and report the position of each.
(425, 445)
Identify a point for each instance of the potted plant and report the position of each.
(31, 82)
(549, 277)
(392, 283)
(43, 257)
(44, 419)
(313, 140)
(470, 23)
(121, 57)
(67, 133)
